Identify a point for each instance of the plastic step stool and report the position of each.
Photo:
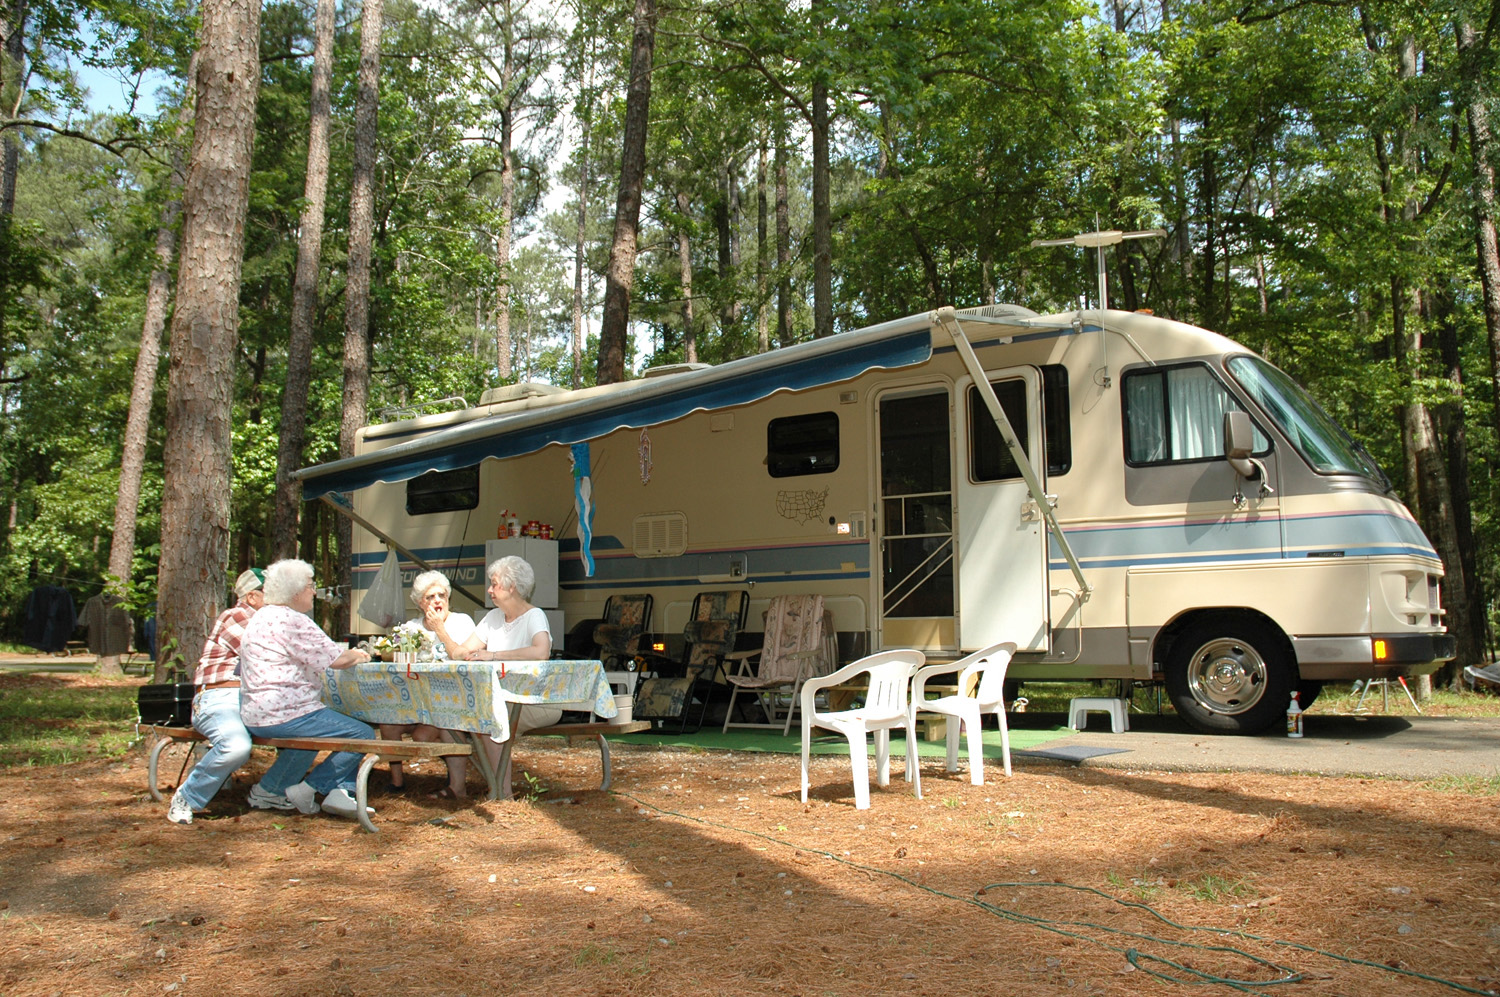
(1119, 722)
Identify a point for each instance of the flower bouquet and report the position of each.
(406, 643)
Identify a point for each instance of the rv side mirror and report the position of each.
(1239, 444)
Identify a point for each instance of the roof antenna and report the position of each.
(1097, 240)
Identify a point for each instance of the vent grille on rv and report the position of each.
(660, 534)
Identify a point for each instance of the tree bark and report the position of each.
(1473, 639)
(585, 88)
(685, 262)
(293, 430)
(503, 348)
(205, 326)
(822, 220)
(620, 277)
(762, 252)
(13, 74)
(357, 294)
(1482, 151)
(783, 242)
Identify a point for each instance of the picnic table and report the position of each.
(482, 698)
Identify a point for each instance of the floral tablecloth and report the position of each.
(464, 695)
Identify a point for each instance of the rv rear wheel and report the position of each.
(1229, 676)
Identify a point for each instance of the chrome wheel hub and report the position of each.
(1227, 676)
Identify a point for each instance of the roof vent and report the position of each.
(516, 392)
(998, 311)
(673, 368)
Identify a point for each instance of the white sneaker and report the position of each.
(340, 803)
(303, 797)
(178, 812)
(262, 799)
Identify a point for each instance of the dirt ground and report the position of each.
(704, 871)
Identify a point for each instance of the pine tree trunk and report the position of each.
(503, 348)
(13, 73)
(620, 277)
(1473, 641)
(293, 427)
(822, 220)
(685, 264)
(762, 252)
(205, 325)
(1481, 156)
(783, 242)
(585, 127)
(357, 294)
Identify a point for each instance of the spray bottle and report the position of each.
(1294, 717)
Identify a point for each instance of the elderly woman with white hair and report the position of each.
(514, 630)
(447, 630)
(282, 656)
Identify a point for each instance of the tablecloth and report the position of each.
(464, 695)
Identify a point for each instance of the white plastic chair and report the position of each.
(981, 683)
(884, 708)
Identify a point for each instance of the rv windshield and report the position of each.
(1312, 431)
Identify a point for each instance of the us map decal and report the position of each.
(804, 507)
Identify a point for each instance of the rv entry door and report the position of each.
(1001, 535)
(915, 527)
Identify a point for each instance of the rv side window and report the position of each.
(989, 458)
(803, 444)
(443, 491)
(1177, 414)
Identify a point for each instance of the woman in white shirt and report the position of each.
(447, 631)
(514, 630)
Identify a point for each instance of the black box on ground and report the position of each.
(170, 704)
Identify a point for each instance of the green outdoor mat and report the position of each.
(828, 743)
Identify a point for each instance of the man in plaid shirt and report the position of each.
(216, 707)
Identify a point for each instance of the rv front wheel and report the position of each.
(1229, 677)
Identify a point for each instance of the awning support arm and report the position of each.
(949, 318)
(341, 505)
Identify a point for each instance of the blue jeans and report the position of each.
(216, 715)
(334, 772)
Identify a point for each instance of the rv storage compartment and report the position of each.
(170, 705)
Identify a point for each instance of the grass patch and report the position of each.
(1212, 887)
(50, 721)
(1469, 785)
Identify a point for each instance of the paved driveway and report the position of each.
(1415, 748)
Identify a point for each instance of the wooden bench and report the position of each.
(373, 749)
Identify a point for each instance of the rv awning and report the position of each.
(646, 402)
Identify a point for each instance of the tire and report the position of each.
(1308, 691)
(1230, 676)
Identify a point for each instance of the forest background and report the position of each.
(390, 203)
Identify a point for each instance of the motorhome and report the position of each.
(1124, 496)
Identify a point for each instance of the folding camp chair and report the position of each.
(626, 617)
(799, 645)
(667, 697)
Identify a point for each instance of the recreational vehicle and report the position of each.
(1124, 496)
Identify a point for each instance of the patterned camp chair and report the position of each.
(799, 645)
(668, 696)
(626, 617)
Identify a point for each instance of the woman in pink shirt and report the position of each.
(282, 657)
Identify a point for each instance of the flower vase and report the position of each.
(406, 659)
